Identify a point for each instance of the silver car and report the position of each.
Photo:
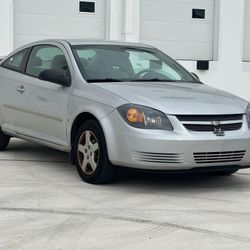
(115, 104)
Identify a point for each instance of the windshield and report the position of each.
(115, 63)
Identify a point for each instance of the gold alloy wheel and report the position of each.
(88, 152)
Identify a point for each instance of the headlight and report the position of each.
(143, 117)
(248, 115)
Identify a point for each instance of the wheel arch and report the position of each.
(77, 122)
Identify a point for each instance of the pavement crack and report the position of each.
(130, 219)
(32, 160)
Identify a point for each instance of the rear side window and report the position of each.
(17, 61)
(46, 57)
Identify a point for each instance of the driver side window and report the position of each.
(144, 61)
(138, 62)
(47, 57)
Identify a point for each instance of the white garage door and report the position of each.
(246, 51)
(182, 28)
(43, 19)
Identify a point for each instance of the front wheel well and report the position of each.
(79, 120)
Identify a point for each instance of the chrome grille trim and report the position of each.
(206, 123)
(219, 157)
(162, 158)
(209, 122)
(210, 128)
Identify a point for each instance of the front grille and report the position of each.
(158, 157)
(210, 128)
(219, 157)
(209, 117)
(208, 123)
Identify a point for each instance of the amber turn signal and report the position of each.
(135, 116)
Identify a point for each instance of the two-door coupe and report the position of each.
(120, 104)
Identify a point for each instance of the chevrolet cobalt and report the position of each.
(115, 104)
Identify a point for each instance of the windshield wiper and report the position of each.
(104, 80)
(152, 80)
(131, 80)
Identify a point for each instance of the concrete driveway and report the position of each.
(45, 205)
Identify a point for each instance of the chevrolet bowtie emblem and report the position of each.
(217, 130)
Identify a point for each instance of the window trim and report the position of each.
(195, 16)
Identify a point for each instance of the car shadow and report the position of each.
(182, 181)
(19, 149)
(128, 178)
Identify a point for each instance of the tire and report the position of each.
(90, 154)
(4, 141)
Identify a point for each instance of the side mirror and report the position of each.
(195, 75)
(54, 76)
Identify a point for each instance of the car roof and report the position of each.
(92, 42)
(79, 42)
(105, 42)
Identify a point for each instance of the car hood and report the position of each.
(178, 98)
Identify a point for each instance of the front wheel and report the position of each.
(4, 141)
(90, 154)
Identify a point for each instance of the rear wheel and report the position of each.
(90, 154)
(4, 140)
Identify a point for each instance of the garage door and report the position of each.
(36, 20)
(182, 28)
(246, 51)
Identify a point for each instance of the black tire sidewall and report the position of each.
(4, 140)
(104, 170)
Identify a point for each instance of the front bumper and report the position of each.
(174, 150)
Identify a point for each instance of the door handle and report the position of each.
(21, 89)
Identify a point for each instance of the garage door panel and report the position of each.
(21, 39)
(204, 2)
(187, 49)
(65, 26)
(55, 7)
(246, 49)
(163, 11)
(176, 32)
(36, 20)
(169, 23)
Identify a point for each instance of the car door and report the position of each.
(44, 103)
(12, 80)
